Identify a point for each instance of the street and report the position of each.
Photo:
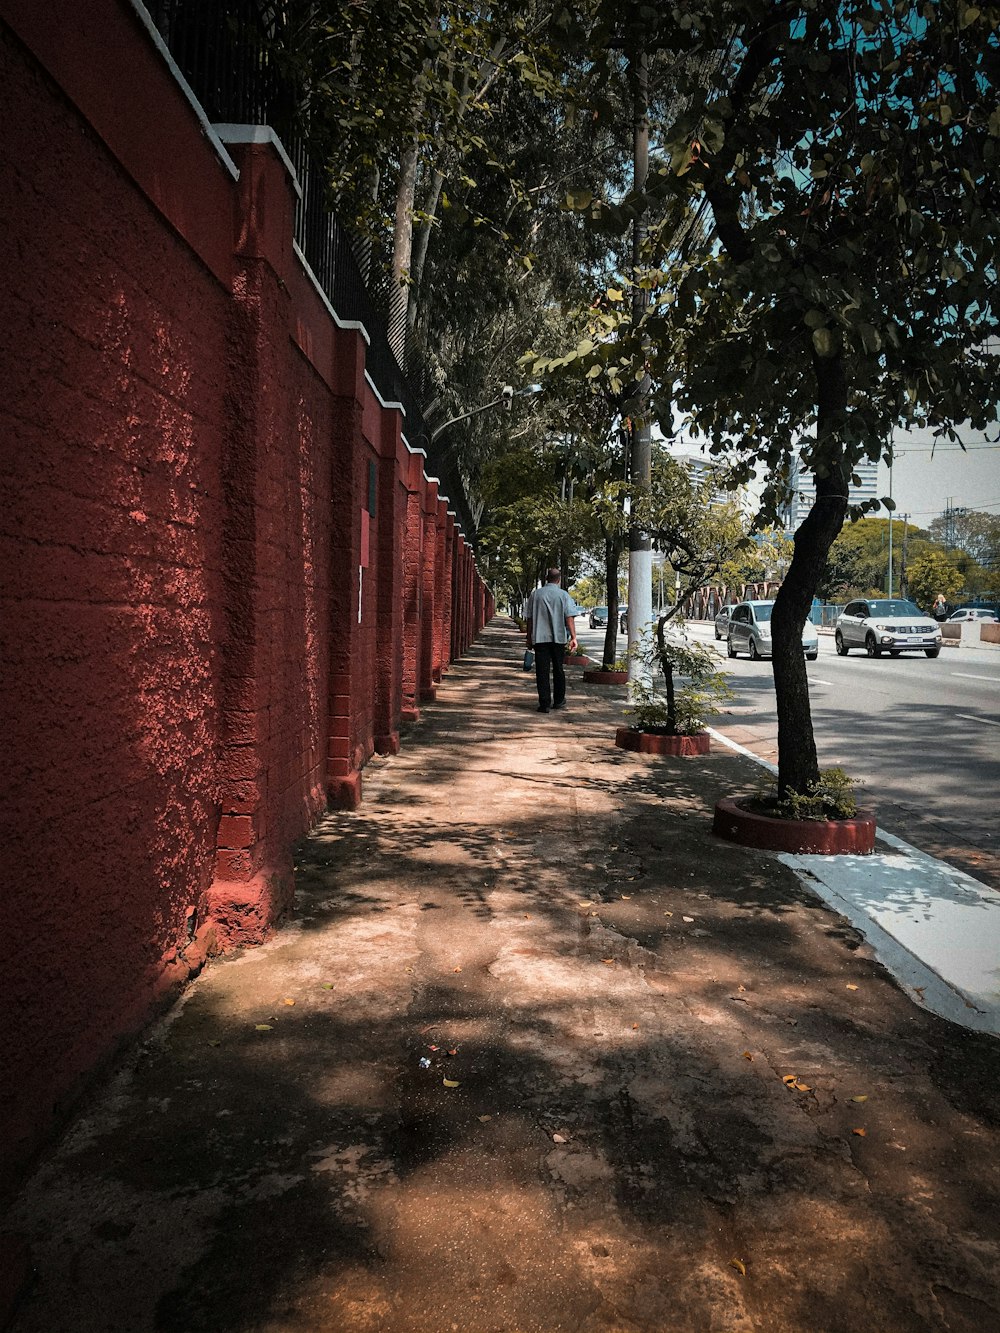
(920, 734)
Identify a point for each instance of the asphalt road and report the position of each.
(922, 735)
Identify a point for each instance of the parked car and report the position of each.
(750, 632)
(722, 622)
(623, 619)
(598, 617)
(886, 625)
(974, 613)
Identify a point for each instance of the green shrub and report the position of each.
(831, 797)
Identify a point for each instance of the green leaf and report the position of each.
(579, 199)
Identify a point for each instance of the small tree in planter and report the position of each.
(663, 722)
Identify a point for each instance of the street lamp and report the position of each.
(505, 401)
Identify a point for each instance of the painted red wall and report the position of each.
(201, 644)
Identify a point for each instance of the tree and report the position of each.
(846, 152)
(930, 574)
(974, 532)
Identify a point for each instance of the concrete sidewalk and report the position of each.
(536, 1053)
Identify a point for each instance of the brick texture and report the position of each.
(199, 652)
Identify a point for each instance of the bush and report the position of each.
(831, 797)
(685, 707)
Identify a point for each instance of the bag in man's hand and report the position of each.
(529, 659)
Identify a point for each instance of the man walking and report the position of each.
(550, 626)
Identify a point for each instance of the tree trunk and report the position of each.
(640, 556)
(402, 246)
(798, 764)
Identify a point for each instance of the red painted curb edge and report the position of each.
(598, 677)
(827, 837)
(644, 742)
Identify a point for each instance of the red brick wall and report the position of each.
(186, 439)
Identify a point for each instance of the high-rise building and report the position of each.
(701, 469)
(803, 494)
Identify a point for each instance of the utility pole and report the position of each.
(902, 563)
(889, 580)
(640, 551)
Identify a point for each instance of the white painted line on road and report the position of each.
(966, 675)
(967, 717)
(815, 680)
(741, 749)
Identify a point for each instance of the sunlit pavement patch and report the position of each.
(935, 928)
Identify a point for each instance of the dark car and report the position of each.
(598, 617)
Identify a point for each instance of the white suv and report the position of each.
(888, 625)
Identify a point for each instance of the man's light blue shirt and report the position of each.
(548, 608)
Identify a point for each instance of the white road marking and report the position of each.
(966, 675)
(967, 717)
(815, 680)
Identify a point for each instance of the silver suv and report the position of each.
(750, 632)
(886, 625)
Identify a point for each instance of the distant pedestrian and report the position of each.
(551, 626)
(940, 608)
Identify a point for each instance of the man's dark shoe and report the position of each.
(543, 708)
(561, 704)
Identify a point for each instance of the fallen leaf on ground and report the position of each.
(558, 1138)
(851, 986)
(802, 1087)
(626, 896)
(860, 1132)
(668, 913)
(608, 962)
(483, 1119)
(918, 990)
(739, 1265)
(450, 1082)
(288, 1001)
(456, 969)
(687, 918)
(263, 1027)
(216, 1042)
(433, 1048)
(635, 1027)
(429, 1028)
(747, 1055)
(789, 1079)
(862, 1098)
(453, 1051)
(586, 904)
(328, 985)
(741, 988)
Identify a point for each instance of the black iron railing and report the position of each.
(224, 50)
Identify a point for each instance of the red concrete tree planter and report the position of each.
(652, 742)
(576, 659)
(827, 837)
(595, 676)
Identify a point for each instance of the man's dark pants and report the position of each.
(549, 660)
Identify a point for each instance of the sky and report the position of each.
(925, 482)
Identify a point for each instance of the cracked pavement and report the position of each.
(535, 1053)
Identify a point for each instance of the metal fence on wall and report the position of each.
(222, 49)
